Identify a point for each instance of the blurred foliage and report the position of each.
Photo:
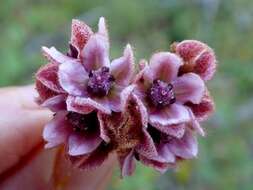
(225, 155)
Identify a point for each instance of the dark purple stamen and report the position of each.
(83, 123)
(161, 94)
(100, 82)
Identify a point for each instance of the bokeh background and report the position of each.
(225, 158)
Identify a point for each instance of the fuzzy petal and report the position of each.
(164, 154)
(189, 87)
(146, 147)
(159, 166)
(164, 66)
(96, 53)
(103, 130)
(57, 130)
(142, 109)
(144, 78)
(123, 68)
(125, 95)
(127, 164)
(83, 144)
(86, 105)
(172, 130)
(44, 92)
(188, 49)
(174, 114)
(80, 34)
(54, 56)
(55, 103)
(73, 78)
(96, 158)
(186, 147)
(205, 65)
(204, 109)
(102, 28)
(194, 124)
(47, 75)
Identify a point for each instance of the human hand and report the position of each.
(24, 164)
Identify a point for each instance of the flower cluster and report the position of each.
(150, 114)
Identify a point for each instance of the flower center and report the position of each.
(83, 123)
(161, 94)
(100, 82)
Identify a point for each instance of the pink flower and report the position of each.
(164, 94)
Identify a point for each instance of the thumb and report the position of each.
(21, 124)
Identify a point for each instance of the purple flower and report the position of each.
(164, 94)
(90, 80)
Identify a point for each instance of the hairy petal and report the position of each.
(86, 105)
(47, 75)
(144, 78)
(189, 88)
(205, 65)
(164, 154)
(194, 124)
(125, 95)
(73, 78)
(55, 103)
(57, 130)
(204, 109)
(103, 127)
(159, 166)
(96, 53)
(127, 164)
(54, 56)
(142, 109)
(186, 147)
(174, 114)
(95, 158)
(80, 34)
(172, 130)
(80, 144)
(44, 92)
(164, 66)
(102, 28)
(123, 68)
(146, 147)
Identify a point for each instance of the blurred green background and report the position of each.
(225, 158)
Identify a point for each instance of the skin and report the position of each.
(23, 160)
